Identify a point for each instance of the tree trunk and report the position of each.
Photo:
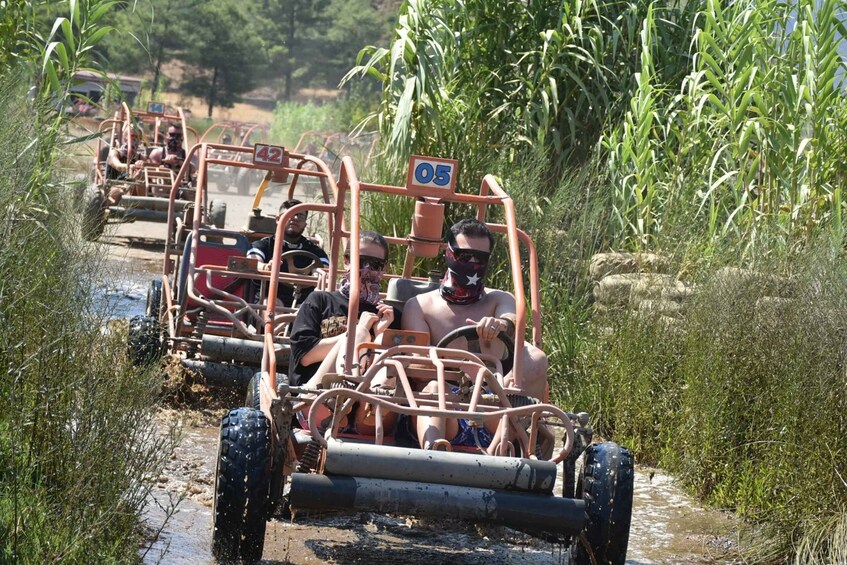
(291, 38)
(213, 89)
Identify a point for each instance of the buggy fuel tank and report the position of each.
(460, 469)
(532, 513)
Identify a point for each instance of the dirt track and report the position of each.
(666, 527)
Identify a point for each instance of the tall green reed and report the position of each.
(80, 441)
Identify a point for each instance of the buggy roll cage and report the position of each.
(491, 194)
(209, 154)
(125, 118)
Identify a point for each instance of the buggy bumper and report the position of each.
(532, 513)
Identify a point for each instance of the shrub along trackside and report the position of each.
(78, 441)
(712, 133)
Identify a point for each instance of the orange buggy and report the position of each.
(279, 455)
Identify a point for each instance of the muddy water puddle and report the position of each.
(667, 526)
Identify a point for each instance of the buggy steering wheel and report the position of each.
(470, 334)
(288, 258)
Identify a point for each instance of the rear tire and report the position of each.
(242, 181)
(252, 399)
(242, 485)
(93, 214)
(217, 213)
(605, 484)
(144, 345)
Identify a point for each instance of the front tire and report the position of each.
(605, 484)
(144, 345)
(154, 300)
(242, 485)
(93, 214)
(217, 213)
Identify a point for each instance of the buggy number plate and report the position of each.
(156, 107)
(268, 154)
(432, 172)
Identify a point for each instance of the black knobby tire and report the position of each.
(605, 484)
(93, 214)
(144, 344)
(242, 483)
(252, 400)
(217, 213)
(154, 300)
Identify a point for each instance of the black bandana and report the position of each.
(464, 281)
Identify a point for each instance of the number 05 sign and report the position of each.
(426, 173)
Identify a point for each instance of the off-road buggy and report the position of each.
(208, 307)
(282, 455)
(144, 196)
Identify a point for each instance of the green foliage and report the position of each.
(78, 436)
(750, 142)
(153, 32)
(225, 56)
(743, 398)
(469, 78)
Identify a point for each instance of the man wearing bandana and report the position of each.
(461, 300)
(319, 331)
(172, 155)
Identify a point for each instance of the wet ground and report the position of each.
(667, 526)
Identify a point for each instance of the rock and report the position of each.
(665, 307)
(614, 290)
(605, 264)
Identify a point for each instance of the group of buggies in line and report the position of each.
(369, 386)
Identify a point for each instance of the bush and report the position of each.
(78, 437)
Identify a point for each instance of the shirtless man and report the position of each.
(462, 300)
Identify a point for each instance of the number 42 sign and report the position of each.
(268, 154)
(426, 173)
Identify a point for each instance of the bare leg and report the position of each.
(534, 377)
(430, 429)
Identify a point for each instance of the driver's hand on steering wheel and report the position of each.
(489, 327)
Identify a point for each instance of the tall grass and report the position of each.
(749, 144)
(744, 399)
(78, 437)
(712, 132)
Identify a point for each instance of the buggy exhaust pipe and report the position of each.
(132, 214)
(532, 513)
(220, 374)
(423, 466)
(241, 350)
(151, 203)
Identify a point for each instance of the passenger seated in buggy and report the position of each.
(319, 330)
(462, 299)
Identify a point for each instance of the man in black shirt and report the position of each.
(294, 241)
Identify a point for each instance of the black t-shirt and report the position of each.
(322, 314)
(263, 250)
(137, 153)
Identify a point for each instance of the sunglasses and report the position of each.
(299, 216)
(372, 263)
(468, 255)
(174, 136)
